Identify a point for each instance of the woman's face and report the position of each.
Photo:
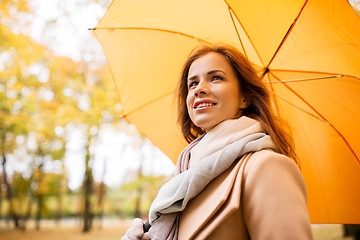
(214, 93)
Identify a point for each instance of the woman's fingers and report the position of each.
(136, 231)
(146, 236)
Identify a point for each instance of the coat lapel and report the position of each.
(219, 199)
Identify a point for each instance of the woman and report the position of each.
(238, 150)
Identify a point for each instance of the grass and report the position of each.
(115, 229)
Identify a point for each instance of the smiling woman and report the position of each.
(238, 178)
(214, 93)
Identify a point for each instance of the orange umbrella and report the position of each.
(307, 51)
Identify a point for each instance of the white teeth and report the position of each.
(205, 105)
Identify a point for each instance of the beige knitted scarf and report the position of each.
(200, 162)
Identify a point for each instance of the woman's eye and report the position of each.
(217, 77)
(192, 84)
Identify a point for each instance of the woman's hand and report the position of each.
(136, 231)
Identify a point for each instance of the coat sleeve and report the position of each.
(274, 198)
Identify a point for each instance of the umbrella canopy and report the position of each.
(307, 51)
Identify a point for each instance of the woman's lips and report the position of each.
(204, 103)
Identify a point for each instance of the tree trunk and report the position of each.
(59, 200)
(12, 212)
(1, 197)
(137, 212)
(101, 196)
(352, 230)
(40, 201)
(39, 198)
(88, 184)
(28, 211)
(29, 205)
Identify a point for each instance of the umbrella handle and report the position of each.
(146, 226)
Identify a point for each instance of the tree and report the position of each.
(100, 110)
(15, 103)
(31, 90)
(39, 93)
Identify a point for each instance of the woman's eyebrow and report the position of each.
(192, 77)
(215, 71)
(208, 73)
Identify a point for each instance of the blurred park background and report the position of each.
(70, 166)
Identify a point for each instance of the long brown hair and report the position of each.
(254, 90)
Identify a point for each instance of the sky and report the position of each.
(68, 32)
(118, 153)
(68, 35)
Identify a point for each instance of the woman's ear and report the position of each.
(244, 104)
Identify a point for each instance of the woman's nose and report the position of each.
(201, 89)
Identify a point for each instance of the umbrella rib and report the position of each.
(156, 29)
(284, 38)
(149, 102)
(306, 79)
(245, 32)
(322, 118)
(237, 32)
(315, 72)
(301, 109)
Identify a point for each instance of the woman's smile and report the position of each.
(203, 104)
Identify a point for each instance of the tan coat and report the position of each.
(262, 197)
